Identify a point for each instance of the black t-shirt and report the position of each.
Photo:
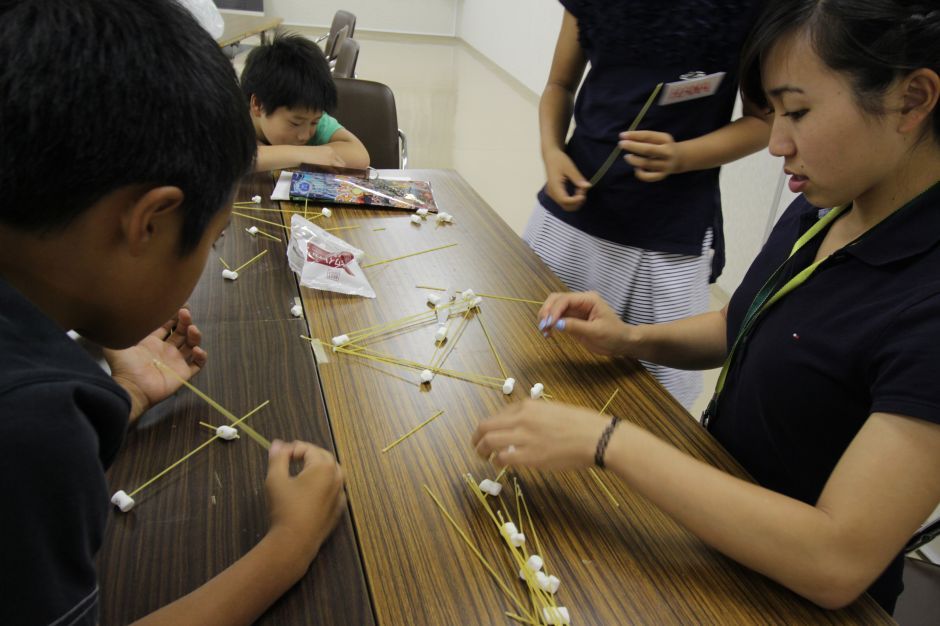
(632, 46)
(861, 336)
(62, 420)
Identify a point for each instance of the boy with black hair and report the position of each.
(290, 93)
(117, 171)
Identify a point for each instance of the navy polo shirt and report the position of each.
(62, 420)
(633, 46)
(861, 336)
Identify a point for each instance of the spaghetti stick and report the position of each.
(264, 443)
(604, 488)
(375, 230)
(614, 395)
(258, 219)
(453, 343)
(224, 264)
(412, 431)
(408, 317)
(405, 256)
(520, 619)
(502, 473)
(250, 261)
(636, 122)
(194, 451)
(473, 548)
(268, 235)
(330, 230)
(486, 295)
(209, 426)
(528, 520)
(502, 369)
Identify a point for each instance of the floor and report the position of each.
(461, 111)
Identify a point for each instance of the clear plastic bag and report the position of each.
(207, 15)
(324, 261)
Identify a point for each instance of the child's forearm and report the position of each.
(734, 141)
(242, 592)
(349, 154)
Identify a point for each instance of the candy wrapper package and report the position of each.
(324, 261)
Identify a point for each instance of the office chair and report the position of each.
(367, 109)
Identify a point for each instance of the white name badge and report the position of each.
(692, 89)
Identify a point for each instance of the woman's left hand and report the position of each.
(539, 434)
(653, 155)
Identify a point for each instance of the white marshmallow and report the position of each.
(442, 315)
(226, 432)
(449, 294)
(427, 376)
(509, 529)
(508, 385)
(541, 579)
(553, 584)
(445, 218)
(253, 230)
(229, 275)
(441, 333)
(422, 212)
(468, 294)
(122, 501)
(534, 563)
(297, 310)
(440, 217)
(556, 615)
(448, 218)
(415, 219)
(518, 540)
(490, 487)
(256, 199)
(325, 212)
(536, 392)
(340, 340)
(434, 299)
(476, 302)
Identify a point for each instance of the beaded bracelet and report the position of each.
(604, 440)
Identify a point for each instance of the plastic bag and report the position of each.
(324, 261)
(207, 15)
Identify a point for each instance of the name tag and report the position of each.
(682, 90)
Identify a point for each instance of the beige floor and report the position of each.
(463, 112)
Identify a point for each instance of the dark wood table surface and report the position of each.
(624, 564)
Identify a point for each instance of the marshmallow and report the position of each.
(449, 294)
(442, 314)
(422, 212)
(490, 487)
(541, 579)
(534, 563)
(509, 529)
(517, 540)
(441, 333)
(297, 310)
(256, 199)
(252, 230)
(427, 376)
(445, 218)
(226, 432)
(476, 302)
(553, 584)
(229, 275)
(340, 340)
(536, 392)
(415, 219)
(468, 294)
(508, 385)
(325, 212)
(434, 299)
(122, 501)
(556, 615)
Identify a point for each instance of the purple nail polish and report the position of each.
(560, 325)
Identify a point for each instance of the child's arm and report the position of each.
(656, 155)
(343, 150)
(303, 509)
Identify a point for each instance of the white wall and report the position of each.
(425, 17)
(517, 35)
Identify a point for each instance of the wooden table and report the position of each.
(618, 564)
(239, 26)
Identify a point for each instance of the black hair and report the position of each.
(96, 95)
(289, 72)
(873, 42)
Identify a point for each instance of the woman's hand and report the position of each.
(559, 171)
(653, 155)
(586, 317)
(543, 435)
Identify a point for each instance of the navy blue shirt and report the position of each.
(633, 46)
(861, 336)
(62, 420)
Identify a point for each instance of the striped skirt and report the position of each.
(643, 286)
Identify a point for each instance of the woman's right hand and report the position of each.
(559, 171)
(586, 317)
(305, 507)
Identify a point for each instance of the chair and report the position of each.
(346, 60)
(919, 603)
(340, 19)
(332, 51)
(367, 110)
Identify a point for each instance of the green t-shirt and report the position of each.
(325, 129)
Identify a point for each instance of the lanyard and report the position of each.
(767, 297)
